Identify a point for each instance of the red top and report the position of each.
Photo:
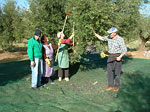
(66, 41)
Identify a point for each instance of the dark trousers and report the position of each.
(63, 70)
(44, 80)
(113, 72)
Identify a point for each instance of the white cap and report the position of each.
(59, 34)
(112, 30)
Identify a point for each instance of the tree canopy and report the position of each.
(85, 15)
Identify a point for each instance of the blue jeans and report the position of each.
(37, 72)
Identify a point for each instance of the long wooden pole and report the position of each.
(73, 32)
(64, 23)
(57, 50)
(60, 39)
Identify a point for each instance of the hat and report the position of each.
(37, 32)
(59, 34)
(112, 30)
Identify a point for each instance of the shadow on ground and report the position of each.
(93, 61)
(88, 62)
(132, 49)
(134, 95)
(16, 70)
(13, 71)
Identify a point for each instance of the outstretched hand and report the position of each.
(72, 35)
(59, 42)
(96, 34)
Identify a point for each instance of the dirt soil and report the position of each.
(137, 54)
(14, 56)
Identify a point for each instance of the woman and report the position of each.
(48, 50)
(63, 57)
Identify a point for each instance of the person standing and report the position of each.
(116, 49)
(48, 50)
(34, 52)
(63, 56)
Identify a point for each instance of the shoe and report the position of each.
(109, 88)
(67, 79)
(38, 87)
(34, 88)
(60, 79)
(43, 85)
(116, 89)
(51, 82)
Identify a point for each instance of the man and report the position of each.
(35, 55)
(116, 49)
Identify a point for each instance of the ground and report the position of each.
(137, 54)
(84, 93)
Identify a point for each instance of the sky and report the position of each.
(20, 3)
(145, 8)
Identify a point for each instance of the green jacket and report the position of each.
(34, 49)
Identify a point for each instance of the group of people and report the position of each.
(40, 53)
(41, 56)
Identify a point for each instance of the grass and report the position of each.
(84, 93)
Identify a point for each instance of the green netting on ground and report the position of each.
(84, 93)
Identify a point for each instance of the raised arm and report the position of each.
(55, 47)
(64, 41)
(72, 35)
(67, 41)
(98, 36)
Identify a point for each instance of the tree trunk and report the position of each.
(143, 42)
(142, 45)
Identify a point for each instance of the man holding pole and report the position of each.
(116, 49)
